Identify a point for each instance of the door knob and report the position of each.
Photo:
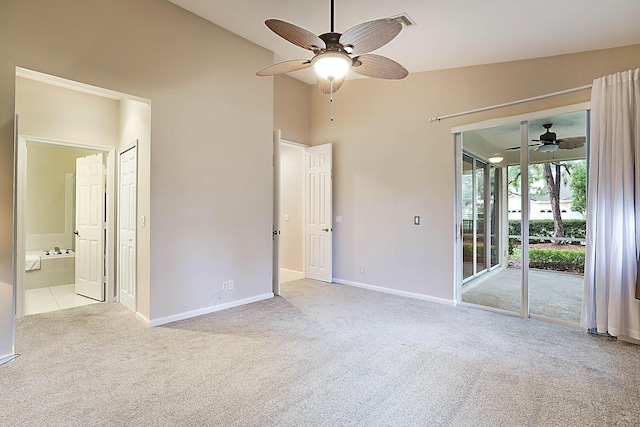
(76, 233)
(325, 229)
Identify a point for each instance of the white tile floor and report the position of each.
(43, 300)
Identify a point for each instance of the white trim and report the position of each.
(395, 292)
(20, 174)
(207, 310)
(141, 317)
(457, 224)
(524, 217)
(293, 143)
(523, 117)
(77, 86)
(292, 271)
(8, 358)
(507, 104)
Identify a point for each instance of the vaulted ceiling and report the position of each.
(447, 34)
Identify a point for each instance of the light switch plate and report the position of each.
(416, 220)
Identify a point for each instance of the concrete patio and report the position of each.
(551, 293)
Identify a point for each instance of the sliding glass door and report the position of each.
(522, 193)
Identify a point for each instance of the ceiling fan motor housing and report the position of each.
(548, 136)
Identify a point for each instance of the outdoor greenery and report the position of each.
(546, 179)
(579, 187)
(576, 228)
(554, 259)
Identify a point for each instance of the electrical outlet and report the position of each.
(224, 286)
(361, 270)
(230, 284)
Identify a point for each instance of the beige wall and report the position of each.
(390, 163)
(46, 209)
(62, 114)
(291, 112)
(212, 120)
(291, 207)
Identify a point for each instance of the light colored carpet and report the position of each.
(321, 355)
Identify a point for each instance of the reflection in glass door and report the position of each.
(480, 183)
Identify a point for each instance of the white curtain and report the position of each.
(613, 232)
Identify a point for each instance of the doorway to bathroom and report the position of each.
(64, 225)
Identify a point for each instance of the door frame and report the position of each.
(277, 191)
(21, 188)
(457, 140)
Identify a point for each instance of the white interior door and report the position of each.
(127, 214)
(276, 212)
(90, 209)
(318, 212)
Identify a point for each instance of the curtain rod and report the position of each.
(506, 104)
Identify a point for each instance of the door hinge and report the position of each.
(276, 232)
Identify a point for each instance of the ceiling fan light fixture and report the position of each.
(547, 148)
(331, 65)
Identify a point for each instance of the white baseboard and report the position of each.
(7, 358)
(207, 310)
(141, 317)
(395, 292)
(292, 271)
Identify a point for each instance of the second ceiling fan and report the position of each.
(549, 142)
(335, 53)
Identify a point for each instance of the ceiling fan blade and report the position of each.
(518, 147)
(379, 67)
(296, 35)
(369, 36)
(284, 67)
(571, 142)
(325, 85)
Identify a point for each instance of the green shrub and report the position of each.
(576, 228)
(558, 260)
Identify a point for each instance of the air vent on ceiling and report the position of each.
(404, 20)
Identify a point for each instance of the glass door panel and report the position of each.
(493, 284)
(557, 225)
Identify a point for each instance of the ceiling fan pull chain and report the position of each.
(331, 97)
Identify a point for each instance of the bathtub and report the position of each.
(54, 269)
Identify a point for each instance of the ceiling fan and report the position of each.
(335, 53)
(549, 142)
